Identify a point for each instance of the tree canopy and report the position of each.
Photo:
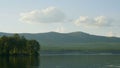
(18, 45)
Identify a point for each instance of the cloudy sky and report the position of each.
(99, 17)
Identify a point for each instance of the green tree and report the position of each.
(18, 45)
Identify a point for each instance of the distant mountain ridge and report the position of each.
(54, 39)
(75, 37)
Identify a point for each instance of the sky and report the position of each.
(98, 17)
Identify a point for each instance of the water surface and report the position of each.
(61, 61)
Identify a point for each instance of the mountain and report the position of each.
(73, 40)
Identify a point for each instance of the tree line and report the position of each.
(18, 45)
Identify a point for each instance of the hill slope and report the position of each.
(72, 41)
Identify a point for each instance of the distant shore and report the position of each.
(79, 53)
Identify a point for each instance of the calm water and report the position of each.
(61, 61)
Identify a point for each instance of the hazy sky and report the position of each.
(100, 17)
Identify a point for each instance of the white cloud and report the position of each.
(60, 29)
(88, 22)
(48, 15)
(110, 34)
(81, 20)
(102, 21)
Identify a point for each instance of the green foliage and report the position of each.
(16, 45)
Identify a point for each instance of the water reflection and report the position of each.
(19, 62)
(61, 61)
(80, 61)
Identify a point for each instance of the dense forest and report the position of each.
(18, 45)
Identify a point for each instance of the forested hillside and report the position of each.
(72, 41)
